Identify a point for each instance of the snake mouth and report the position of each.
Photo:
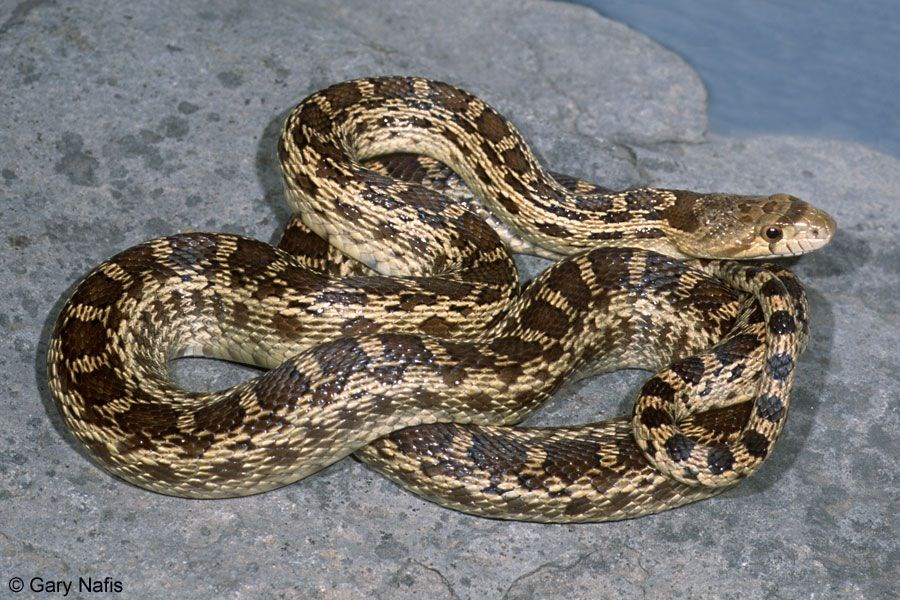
(811, 235)
(799, 247)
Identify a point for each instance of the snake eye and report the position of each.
(773, 234)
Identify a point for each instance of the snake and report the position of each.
(392, 324)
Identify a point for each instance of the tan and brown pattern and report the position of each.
(394, 326)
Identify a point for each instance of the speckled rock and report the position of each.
(124, 121)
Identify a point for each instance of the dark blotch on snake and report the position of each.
(772, 287)
(679, 447)
(719, 459)
(100, 386)
(689, 370)
(221, 416)
(542, 316)
(756, 443)
(658, 388)
(342, 95)
(736, 348)
(652, 418)
(338, 361)
(516, 160)
(770, 408)
(781, 322)
(81, 338)
(492, 126)
(566, 280)
(607, 235)
(680, 214)
(778, 367)
(281, 387)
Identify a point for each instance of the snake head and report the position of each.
(742, 227)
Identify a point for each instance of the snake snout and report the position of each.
(817, 229)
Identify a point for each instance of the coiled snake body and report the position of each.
(394, 326)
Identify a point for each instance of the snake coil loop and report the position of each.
(394, 326)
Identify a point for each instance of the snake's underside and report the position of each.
(394, 325)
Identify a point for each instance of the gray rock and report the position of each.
(127, 121)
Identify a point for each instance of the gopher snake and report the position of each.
(405, 338)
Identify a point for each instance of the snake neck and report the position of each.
(350, 122)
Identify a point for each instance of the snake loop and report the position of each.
(394, 326)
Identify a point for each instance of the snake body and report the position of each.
(393, 323)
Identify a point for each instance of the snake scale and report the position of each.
(394, 326)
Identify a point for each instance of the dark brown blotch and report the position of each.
(778, 367)
(448, 96)
(542, 316)
(658, 388)
(616, 216)
(516, 160)
(300, 241)
(772, 287)
(553, 230)
(329, 149)
(140, 261)
(424, 440)
(281, 388)
(568, 461)
(591, 203)
(253, 257)
(338, 361)
(283, 154)
(690, 369)
(393, 87)
(81, 338)
(491, 125)
(304, 183)
(498, 455)
(724, 420)
(611, 265)
(652, 417)
(342, 95)
(641, 200)
(607, 235)
(220, 416)
(437, 326)
(781, 322)
(99, 290)
(164, 473)
(681, 214)
(359, 326)
(349, 212)
(737, 348)
(406, 348)
(100, 386)
(565, 278)
(770, 407)
(448, 288)
(311, 115)
(756, 443)
(409, 301)
(516, 349)
(342, 297)
(719, 459)
(146, 422)
(192, 251)
(679, 447)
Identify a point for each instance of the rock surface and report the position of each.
(126, 121)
